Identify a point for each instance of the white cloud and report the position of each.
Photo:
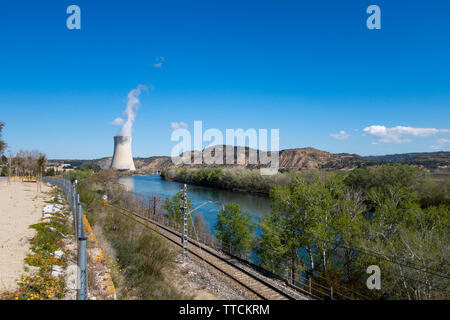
(118, 121)
(178, 125)
(398, 134)
(342, 135)
(440, 142)
(159, 62)
(443, 141)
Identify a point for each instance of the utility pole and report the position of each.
(186, 214)
(152, 206)
(149, 207)
(185, 221)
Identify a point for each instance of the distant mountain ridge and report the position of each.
(289, 159)
(435, 159)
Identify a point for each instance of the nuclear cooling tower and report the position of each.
(122, 158)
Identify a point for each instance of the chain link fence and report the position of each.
(73, 199)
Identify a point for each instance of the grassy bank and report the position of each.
(142, 256)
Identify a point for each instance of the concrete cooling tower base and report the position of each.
(122, 158)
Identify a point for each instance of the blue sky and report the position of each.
(311, 69)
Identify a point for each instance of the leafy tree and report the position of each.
(270, 248)
(382, 175)
(79, 174)
(235, 229)
(285, 230)
(310, 220)
(409, 242)
(4, 169)
(173, 207)
(348, 224)
(434, 193)
(393, 204)
(308, 210)
(2, 143)
(50, 172)
(338, 227)
(40, 163)
(91, 165)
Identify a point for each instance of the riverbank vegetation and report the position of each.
(333, 227)
(432, 189)
(235, 229)
(175, 215)
(142, 256)
(330, 227)
(236, 179)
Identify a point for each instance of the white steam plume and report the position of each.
(133, 104)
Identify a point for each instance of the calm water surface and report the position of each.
(154, 185)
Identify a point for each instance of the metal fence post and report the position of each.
(80, 217)
(82, 293)
(75, 214)
(185, 224)
(74, 192)
(82, 255)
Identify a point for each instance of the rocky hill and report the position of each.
(310, 158)
(290, 159)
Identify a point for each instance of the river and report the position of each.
(154, 185)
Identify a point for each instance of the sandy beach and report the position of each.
(20, 206)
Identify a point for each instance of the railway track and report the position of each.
(259, 287)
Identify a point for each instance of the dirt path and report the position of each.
(20, 206)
